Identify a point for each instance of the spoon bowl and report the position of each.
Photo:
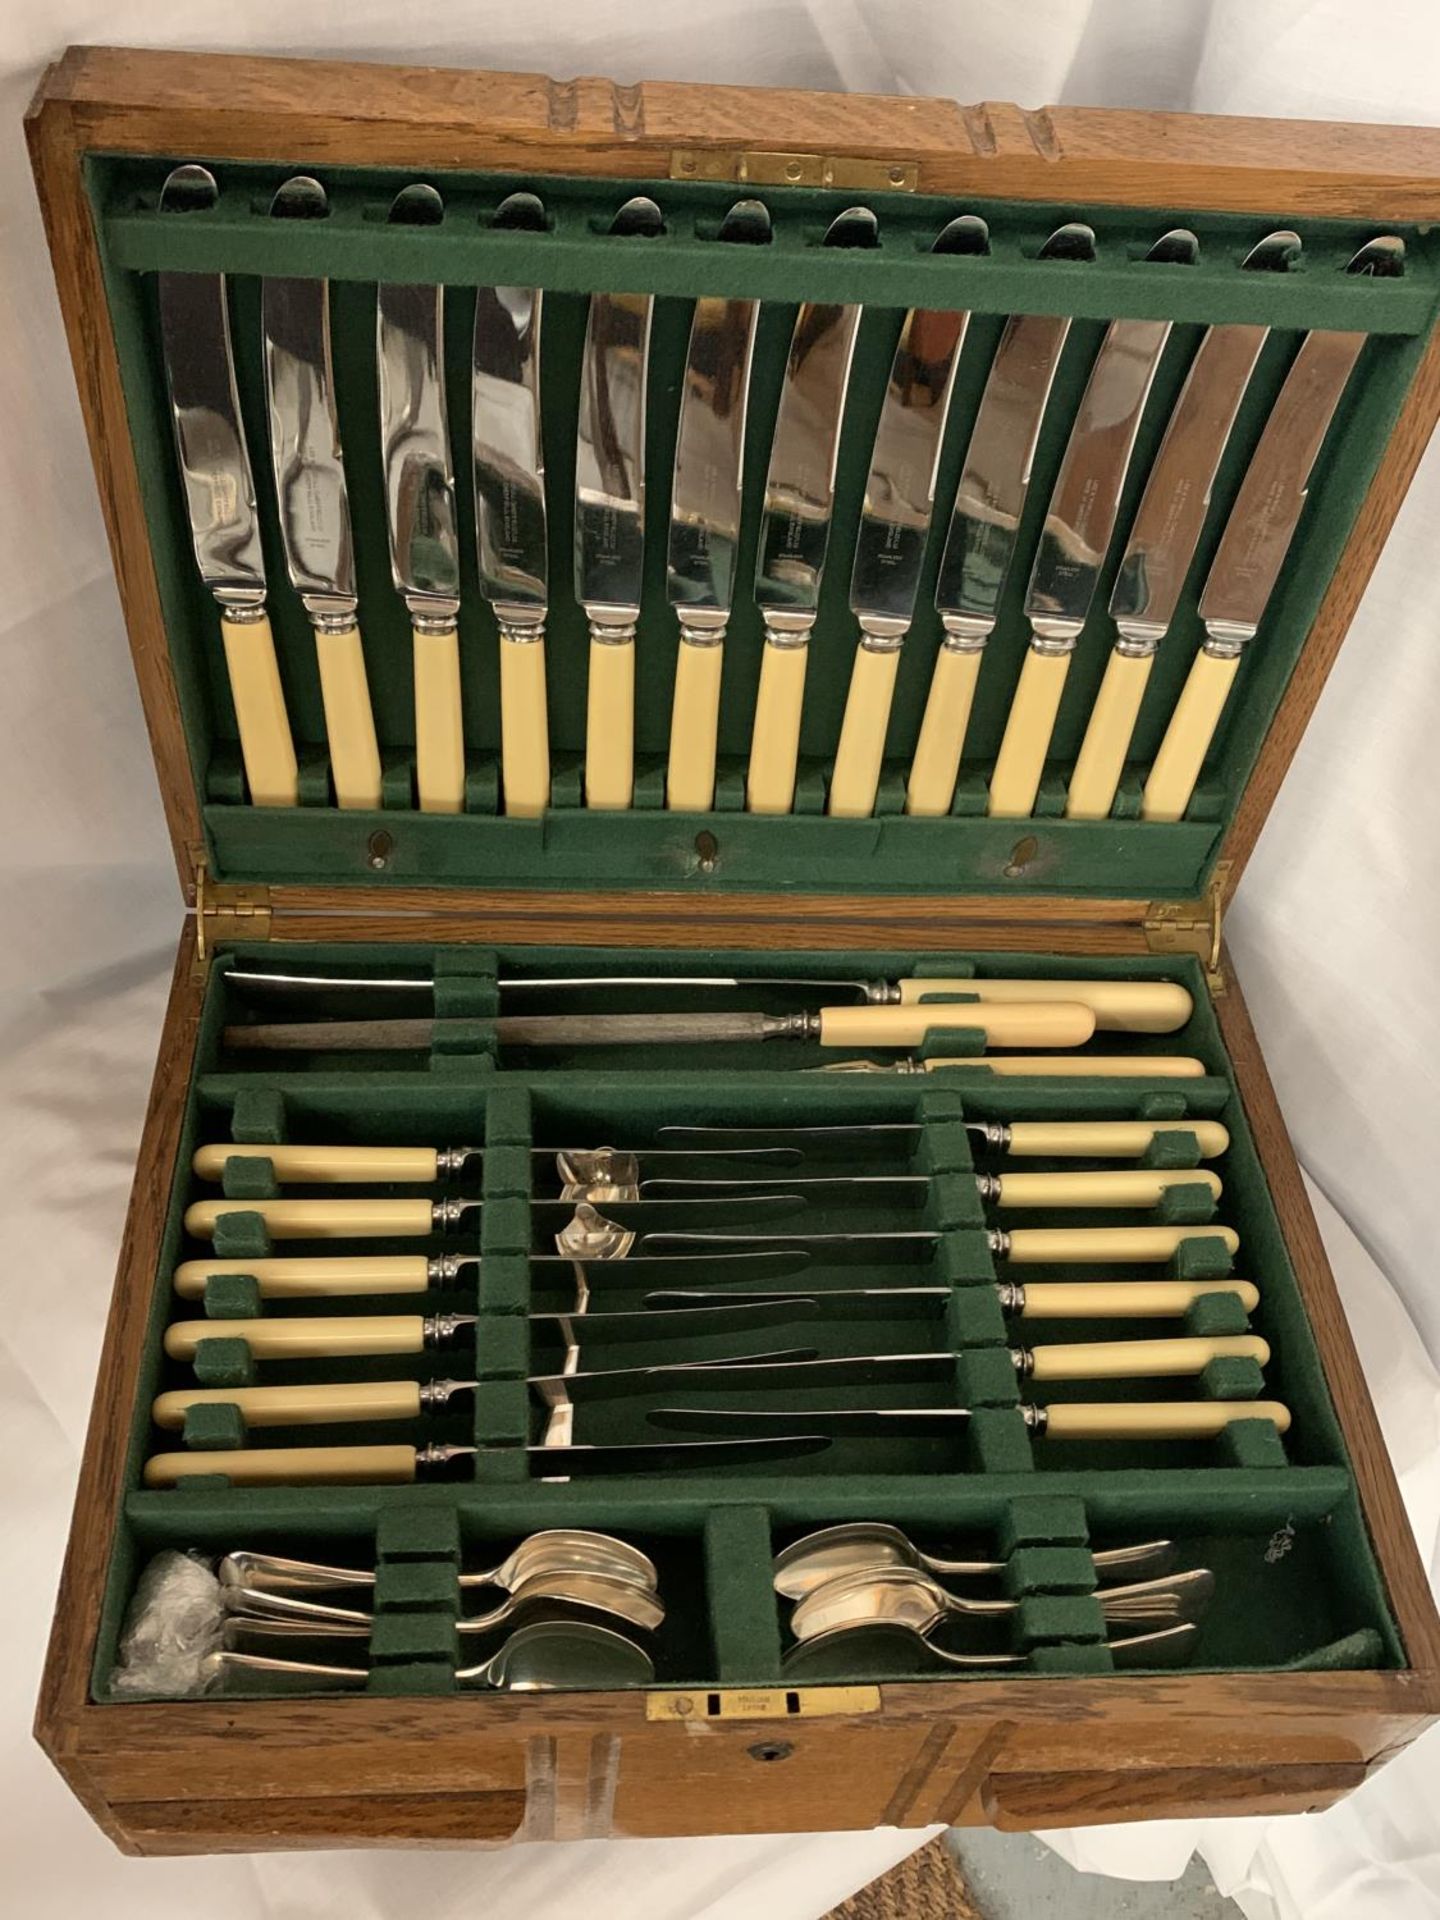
(567, 1589)
(912, 1599)
(860, 1545)
(551, 1654)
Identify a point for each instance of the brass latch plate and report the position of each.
(761, 169)
(761, 1703)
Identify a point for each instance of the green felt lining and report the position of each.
(646, 847)
(1278, 1522)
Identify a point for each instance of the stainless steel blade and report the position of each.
(871, 1422)
(706, 494)
(205, 411)
(305, 444)
(800, 482)
(1173, 507)
(1272, 495)
(900, 487)
(506, 441)
(414, 431)
(256, 980)
(610, 443)
(1081, 514)
(996, 475)
(565, 1389)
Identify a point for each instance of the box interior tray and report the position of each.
(1277, 1521)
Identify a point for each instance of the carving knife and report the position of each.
(509, 466)
(344, 1403)
(1073, 542)
(1063, 1024)
(378, 1466)
(420, 501)
(705, 507)
(795, 523)
(1066, 1420)
(314, 505)
(895, 526)
(1256, 540)
(1163, 539)
(1132, 1006)
(983, 525)
(610, 516)
(220, 498)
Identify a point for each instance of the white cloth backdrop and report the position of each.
(1335, 935)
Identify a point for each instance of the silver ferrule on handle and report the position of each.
(441, 1329)
(612, 626)
(433, 616)
(696, 632)
(449, 1213)
(1138, 639)
(998, 1242)
(966, 632)
(453, 1159)
(447, 1267)
(1053, 637)
(789, 632)
(521, 626)
(330, 613)
(1226, 639)
(437, 1394)
(440, 1453)
(1011, 1296)
(241, 606)
(880, 633)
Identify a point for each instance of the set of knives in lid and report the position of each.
(898, 521)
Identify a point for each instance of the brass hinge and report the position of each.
(1192, 926)
(760, 169)
(760, 1703)
(227, 913)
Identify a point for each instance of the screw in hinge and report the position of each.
(707, 851)
(378, 849)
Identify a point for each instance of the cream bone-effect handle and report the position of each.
(266, 744)
(1192, 726)
(1021, 761)
(1020, 1025)
(610, 716)
(300, 1406)
(1124, 1299)
(930, 790)
(695, 713)
(1096, 778)
(1115, 1187)
(1101, 1139)
(439, 727)
(1100, 1246)
(855, 779)
(319, 1277)
(306, 1164)
(1156, 1420)
(779, 705)
(349, 717)
(336, 1337)
(1104, 1066)
(374, 1466)
(1137, 1359)
(320, 1219)
(524, 715)
(1122, 1006)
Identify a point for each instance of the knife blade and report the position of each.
(420, 505)
(705, 507)
(309, 467)
(895, 525)
(1076, 535)
(1256, 540)
(220, 498)
(509, 467)
(983, 525)
(610, 516)
(795, 521)
(1163, 539)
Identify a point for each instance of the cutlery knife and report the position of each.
(220, 498)
(1163, 539)
(338, 1276)
(795, 522)
(705, 508)
(610, 516)
(1066, 1420)
(309, 465)
(1132, 1006)
(895, 526)
(378, 1466)
(1076, 535)
(1024, 1139)
(420, 503)
(1256, 540)
(983, 525)
(509, 466)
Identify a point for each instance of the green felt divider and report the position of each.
(744, 1623)
(648, 847)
